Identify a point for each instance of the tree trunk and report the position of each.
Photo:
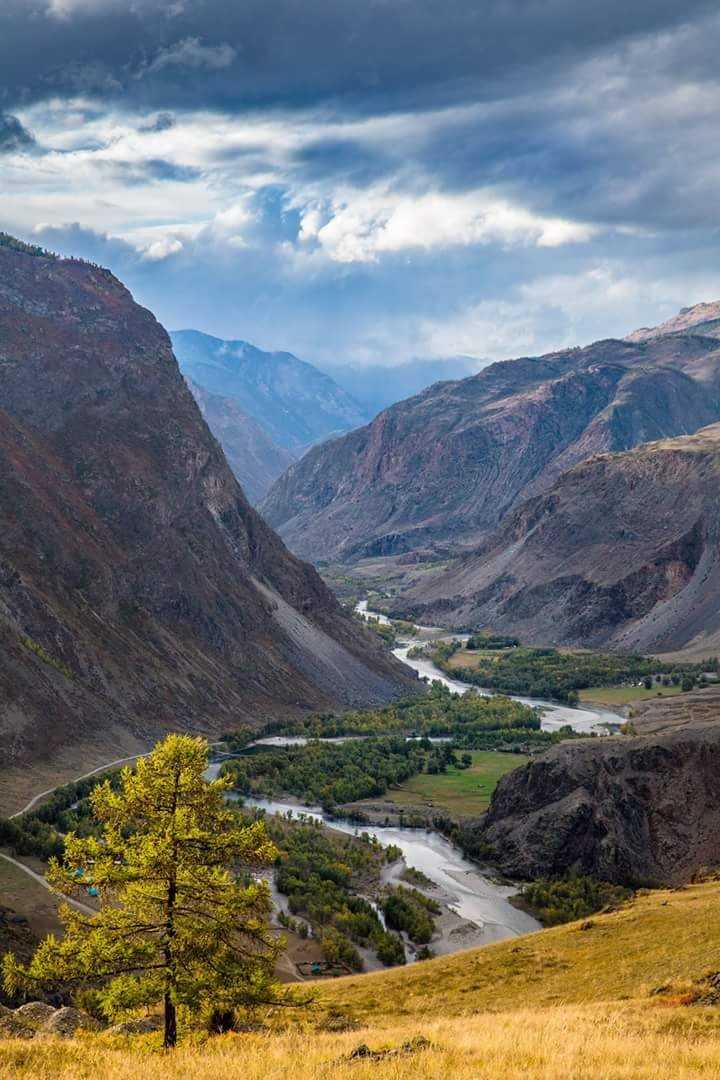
(170, 1039)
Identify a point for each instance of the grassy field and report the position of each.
(659, 938)
(472, 659)
(605, 999)
(624, 695)
(459, 791)
(599, 1042)
(19, 892)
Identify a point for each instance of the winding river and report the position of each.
(554, 715)
(467, 892)
(480, 902)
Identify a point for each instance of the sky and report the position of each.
(368, 182)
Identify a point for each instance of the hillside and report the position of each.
(612, 997)
(252, 455)
(295, 403)
(446, 466)
(622, 551)
(138, 589)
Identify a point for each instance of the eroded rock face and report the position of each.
(138, 589)
(642, 810)
(444, 467)
(623, 552)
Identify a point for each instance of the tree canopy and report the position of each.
(180, 919)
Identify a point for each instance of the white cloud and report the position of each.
(162, 249)
(362, 225)
(191, 53)
(558, 311)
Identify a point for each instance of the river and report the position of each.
(554, 715)
(466, 891)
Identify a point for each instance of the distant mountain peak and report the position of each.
(297, 404)
(686, 319)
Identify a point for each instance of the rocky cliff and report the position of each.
(138, 589)
(642, 811)
(253, 456)
(622, 551)
(445, 466)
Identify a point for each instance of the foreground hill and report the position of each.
(618, 996)
(138, 589)
(296, 404)
(252, 455)
(447, 465)
(622, 551)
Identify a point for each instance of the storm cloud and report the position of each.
(369, 182)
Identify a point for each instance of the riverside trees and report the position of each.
(176, 924)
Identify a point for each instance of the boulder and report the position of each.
(67, 1021)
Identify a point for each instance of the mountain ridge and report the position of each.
(139, 591)
(444, 467)
(296, 403)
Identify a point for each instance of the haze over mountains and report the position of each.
(138, 589)
(252, 455)
(295, 403)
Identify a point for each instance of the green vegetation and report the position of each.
(459, 791)
(491, 641)
(321, 873)
(466, 718)
(550, 673)
(14, 244)
(176, 925)
(410, 911)
(46, 658)
(565, 899)
(328, 773)
(42, 831)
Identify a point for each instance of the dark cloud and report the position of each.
(377, 54)
(13, 136)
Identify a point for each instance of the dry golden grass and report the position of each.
(563, 1004)
(662, 936)
(602, 1042)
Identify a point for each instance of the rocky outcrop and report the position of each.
(139, 592)
(623, 551)
(445, 467)
(296, 404)
(637, 811)
(252, 455)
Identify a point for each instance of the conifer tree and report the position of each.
(181, 921)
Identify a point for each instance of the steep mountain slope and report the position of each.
(447, 465)
(622, 551)
(138, 589)
(251, 454)
(294, 402)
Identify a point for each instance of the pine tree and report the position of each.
(176, 923)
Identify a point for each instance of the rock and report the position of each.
(35, 1013)
(641, 810)
(622, 551)
(67, 1021)
(13, 1027)
(207, 620)
(140, 1025)
(446, 466)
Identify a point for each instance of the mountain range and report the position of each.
(439, 471)
(295, 403)
(139, 591)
